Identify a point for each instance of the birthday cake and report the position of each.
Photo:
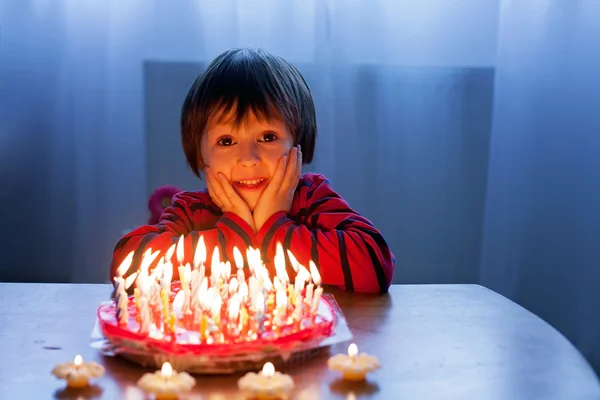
(215, 320)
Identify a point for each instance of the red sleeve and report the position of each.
(191, 215)
(348, 250)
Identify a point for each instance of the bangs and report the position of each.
(235, 110)
(242, 85)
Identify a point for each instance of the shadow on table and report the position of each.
(67, 393)
(348, 388)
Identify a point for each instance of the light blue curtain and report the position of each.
(542, 222)
(403, 91)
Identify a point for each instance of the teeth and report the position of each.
(252, 182)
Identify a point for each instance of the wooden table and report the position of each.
(434, 342)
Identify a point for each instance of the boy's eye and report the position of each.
(268, 137)
(225, 141)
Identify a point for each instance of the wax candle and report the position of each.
(78, 373)
(267, 384)
(122, 301)
(353, 366)
(166, 383)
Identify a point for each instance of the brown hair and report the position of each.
(248, 80)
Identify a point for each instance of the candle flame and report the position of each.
(281, 298)
(149, 257)
(316, 277)
(353, 350)
(166, 371)
(167, 275)
(234, 307)
(216, 258)
(233, 285)
(125, 264)
(293, 261)
(268, 370)
(200, 255)
(130, 279)
(301, 279)
(254, 260)
(243, 290)
(280, 264)
(238, 258)
(180, 250)
(208, 297)
(170, 252)
(157, 271)
(227, 270)
(260, 302)
(78, 360)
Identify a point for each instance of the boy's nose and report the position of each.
(249, 156)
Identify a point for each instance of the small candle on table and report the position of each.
(354, 366)
(78, 373)
(166, 383)
(267, 384)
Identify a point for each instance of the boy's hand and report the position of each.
(222, 194)
(279, 194)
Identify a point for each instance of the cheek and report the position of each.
(274, 158)
(219, 163)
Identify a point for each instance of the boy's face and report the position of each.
(248, 155)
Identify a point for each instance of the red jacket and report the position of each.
(348, 250)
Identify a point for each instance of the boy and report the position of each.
(248, 123)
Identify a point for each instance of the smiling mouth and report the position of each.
(251, 184)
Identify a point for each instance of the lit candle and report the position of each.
(122, 301)
(197, 275)
(316, 299)
(166, 383)
(121, 298)
(200, 254)
(215, 270)
(78, 373)
(316, 277)
(239, 263)
(281, 302)
(260, 310)
(267, 384)
(280, 264)
(243, 291)
(309, 294)
(185, 275)
(293, 261)
(354, 366)
(180, 250)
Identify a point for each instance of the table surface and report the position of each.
(433, 341)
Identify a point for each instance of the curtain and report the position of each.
(542, 218)
(403, 89)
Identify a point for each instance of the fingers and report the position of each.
(209, 186)
(216, 190)
(298, 166)
(230, 193)
(279, 174)
(293, 170)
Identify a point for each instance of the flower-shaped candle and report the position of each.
(78, 373)
(354, 366)
(166, 383)
(267, 384)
